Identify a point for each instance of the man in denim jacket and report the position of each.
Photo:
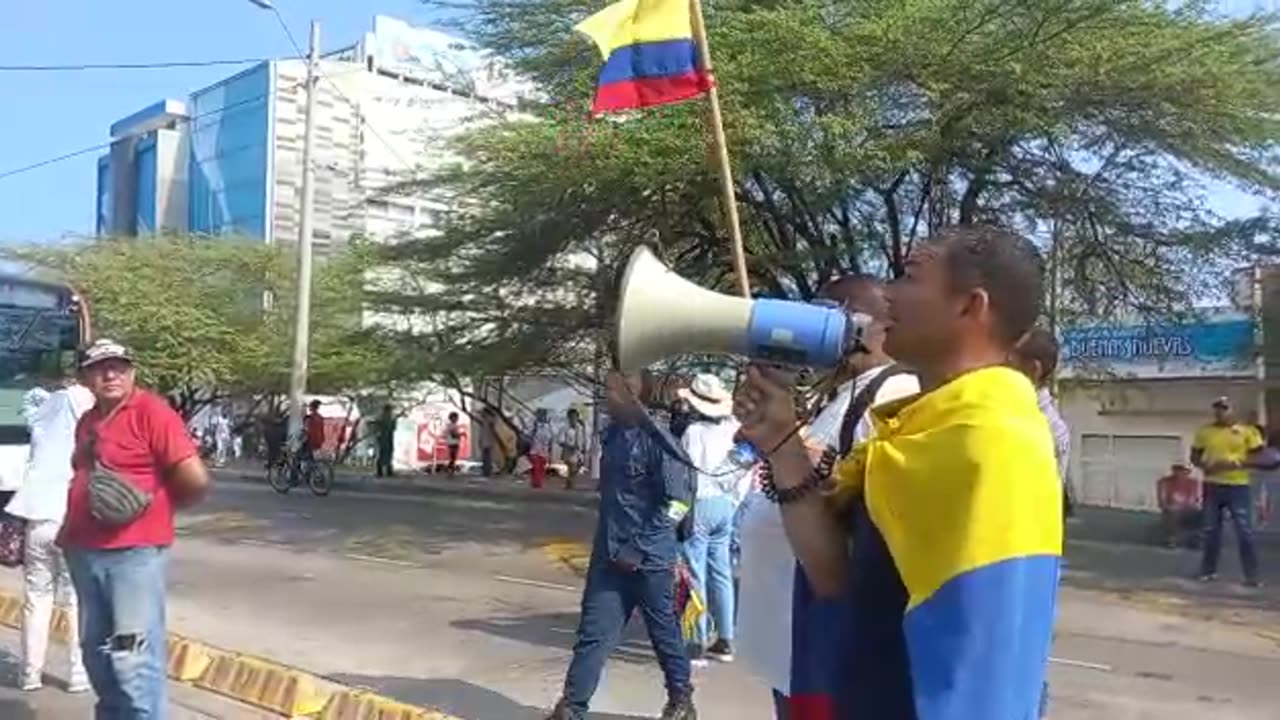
(646, 489)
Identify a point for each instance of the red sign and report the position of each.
(433, 430)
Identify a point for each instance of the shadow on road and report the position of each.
(417, 529)
(559, 630)
(458, 697)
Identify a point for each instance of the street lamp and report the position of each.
(302, 321)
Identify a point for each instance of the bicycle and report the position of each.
(291, 470)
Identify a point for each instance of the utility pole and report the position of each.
(302, 322)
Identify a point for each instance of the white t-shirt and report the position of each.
(708, 445)
(768, 565)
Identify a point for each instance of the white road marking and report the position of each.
(374, 558)
(1081, 664)
(536, 583)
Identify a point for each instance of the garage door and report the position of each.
(1121, 470)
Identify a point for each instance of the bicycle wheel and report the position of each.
(320, 478)
(278, 476)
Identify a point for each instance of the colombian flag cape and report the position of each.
(649, 52)
(962, 485)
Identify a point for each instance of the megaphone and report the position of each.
(660, 315)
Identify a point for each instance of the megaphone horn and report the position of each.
(661, 315)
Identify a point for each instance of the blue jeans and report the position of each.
(122, 630)
(1237, 501)
(610, 597)
(707, 553)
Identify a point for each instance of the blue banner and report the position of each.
(1195, 349)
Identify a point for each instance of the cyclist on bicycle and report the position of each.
(310, 442)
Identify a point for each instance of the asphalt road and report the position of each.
(460, 602)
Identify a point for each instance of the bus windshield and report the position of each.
(39, 332)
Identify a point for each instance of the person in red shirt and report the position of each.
(314, 426)
(134, 462)
(1178, 495)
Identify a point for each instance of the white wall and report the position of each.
(1155, 421)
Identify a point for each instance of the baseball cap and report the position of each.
(1223, 401)
(102, 350)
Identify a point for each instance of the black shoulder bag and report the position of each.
(862, 402)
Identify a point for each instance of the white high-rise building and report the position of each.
(228, 160)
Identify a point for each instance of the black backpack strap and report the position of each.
(859, 404)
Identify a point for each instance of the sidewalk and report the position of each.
(360, 480)
(54, 703)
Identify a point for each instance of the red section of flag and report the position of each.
(811, 707)
(647, 92)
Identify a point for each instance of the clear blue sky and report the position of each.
(49, 114)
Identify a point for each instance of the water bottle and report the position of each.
(744, 454)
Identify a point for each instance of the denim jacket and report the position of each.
(645, 491)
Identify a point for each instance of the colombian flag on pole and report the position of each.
(962, 485)
(649, 52)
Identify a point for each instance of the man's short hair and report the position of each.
(1004, 264)
(1041, 346)
(858, 292)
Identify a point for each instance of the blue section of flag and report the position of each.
(978, 645)
(667, 58)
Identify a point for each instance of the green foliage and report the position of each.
(213, 317)
(858, 130)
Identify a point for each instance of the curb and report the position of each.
(577, 498)
(259, 682)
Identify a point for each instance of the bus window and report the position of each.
(39, 333)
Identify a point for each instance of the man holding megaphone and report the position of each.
(943, 533)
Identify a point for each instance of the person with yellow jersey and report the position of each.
(942, 533)
(1225, 449)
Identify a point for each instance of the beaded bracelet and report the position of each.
(819, 478)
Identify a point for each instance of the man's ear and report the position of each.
(975, 304)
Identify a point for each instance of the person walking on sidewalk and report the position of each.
(453, 441)
(384, 430)
(42, 503)
(134, 462)
(541, 439)
(573, 446)
(646, 488)
(1224, 449)
(722, 484)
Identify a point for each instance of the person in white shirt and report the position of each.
(541, 438)
(42, 502)
(781, 623)
(573, 444)
(722, 484)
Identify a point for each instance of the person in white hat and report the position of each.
(722, 484)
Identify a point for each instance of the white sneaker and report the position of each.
(79, 684)
(31, 683)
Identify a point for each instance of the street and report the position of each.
(459, 602)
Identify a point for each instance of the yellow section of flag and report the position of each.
(632, 22)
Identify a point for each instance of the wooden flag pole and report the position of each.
(728, 196)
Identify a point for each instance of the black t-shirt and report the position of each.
(876, 670)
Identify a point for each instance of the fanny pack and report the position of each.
(113, 499)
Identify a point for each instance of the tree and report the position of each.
(211, 318)
(857, 129)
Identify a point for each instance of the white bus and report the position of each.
(41, 326)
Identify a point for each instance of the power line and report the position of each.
(129, 66)
(319, 70)
(104, 146)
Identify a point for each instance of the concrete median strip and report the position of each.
(262, 683)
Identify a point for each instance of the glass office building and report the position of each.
(230, 131)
